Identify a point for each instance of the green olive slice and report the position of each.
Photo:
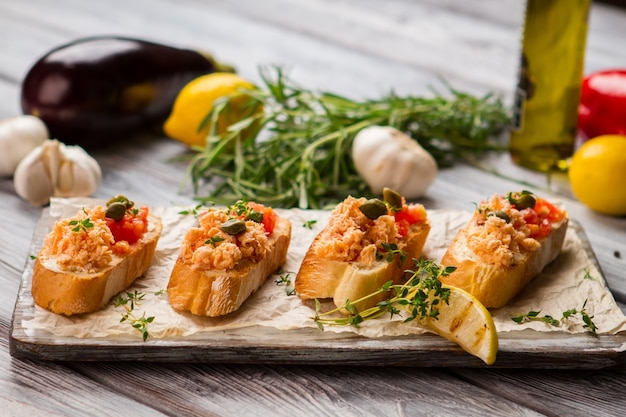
(233, 227)
(373, 208)
(120, 199)
(393, 198)
(525, 201)
(500, 214)
(116, 211)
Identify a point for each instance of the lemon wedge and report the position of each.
(466, 322)
(448, 311)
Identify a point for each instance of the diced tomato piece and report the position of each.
(269, 216)
(540, 230)
(408, 215)
(131, 227)
(540, 218)
(403, 227)
(411, 214)
(269, 220)
(549, 211)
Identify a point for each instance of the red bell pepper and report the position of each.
(602, 109)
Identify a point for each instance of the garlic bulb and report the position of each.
(18, 136)
(54, 169)
(385, 157)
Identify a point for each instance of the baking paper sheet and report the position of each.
(568, 283)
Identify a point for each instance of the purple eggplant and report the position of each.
(100, 90)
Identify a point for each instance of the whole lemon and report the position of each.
(196, 100)
(597, 174)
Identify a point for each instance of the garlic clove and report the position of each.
(31, 179)
(83, 174)
(83, 163)
(18, 136)
(65, 180)
(68, 170)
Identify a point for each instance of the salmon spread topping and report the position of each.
(499, 233)
(82, 243)
(352, 237)
(210, 247)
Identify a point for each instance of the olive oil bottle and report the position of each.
(548, 90)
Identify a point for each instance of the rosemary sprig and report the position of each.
(534, 316)
(129, 302)
(299, 154)
(419, 297)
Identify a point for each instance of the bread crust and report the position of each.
(70, 293)
(213, 293)
(343, 281)
(495, 285)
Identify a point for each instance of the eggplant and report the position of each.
(104, 89)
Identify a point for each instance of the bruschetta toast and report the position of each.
(365, 244)
(509, 240)
(89, 258)
(227, 257)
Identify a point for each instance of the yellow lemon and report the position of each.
(196, 100)
(465, 321)
(597, 174)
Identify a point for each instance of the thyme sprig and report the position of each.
(129, 301)
(573, 312)
(297, 152)
(285, 279)
(82, 224)
(418, 298)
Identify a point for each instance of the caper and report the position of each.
(233, 227)
(373, 208)
(500, 214)
(116, 211)
(525, 201)
(393, 198)
(121, 199)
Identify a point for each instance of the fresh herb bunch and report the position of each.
(297, 152)
(419, 297)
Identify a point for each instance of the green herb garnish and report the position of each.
(389, 252)
(534, 316)
(192, 211)
(214, 240)
(309, 224)
(300, 154)
(129, 302)
(419, 297)
(285, 280)
(243, 210)
(81, 225)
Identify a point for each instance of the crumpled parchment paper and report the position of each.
(566, 284)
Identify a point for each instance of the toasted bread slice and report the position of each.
(483, 272)
(343, 281)
(217, 292)
(324, 274)
(65, 292)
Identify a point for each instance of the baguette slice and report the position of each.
(70, 293)
(495, 284)
(327, 277)
(343, 281)
(213, 292)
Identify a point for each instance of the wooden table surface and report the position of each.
(361, 49)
